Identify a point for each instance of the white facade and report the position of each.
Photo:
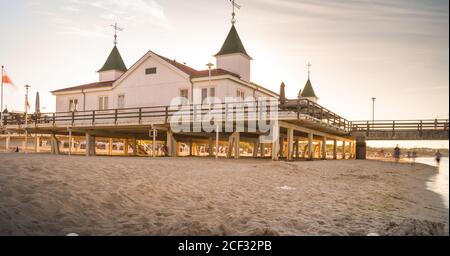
(237, 63)
(109, 75)
(137, 88)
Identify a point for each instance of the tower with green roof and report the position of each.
(114, 66)
(232, 56)
(308, 91)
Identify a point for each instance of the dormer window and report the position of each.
(150, 71)
(240, 95)
(103, 103)
(121, 101)
(73, 105)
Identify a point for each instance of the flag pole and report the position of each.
(1, 110)
(26, 118)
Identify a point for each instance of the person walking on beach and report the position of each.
(414, 156)
(438, 157)
(397, 154)
(165, 150)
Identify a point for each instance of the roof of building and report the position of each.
(232, 44)
(193, 73)
(87, 86)
(197, 73)
(114, 61)
(308, 91)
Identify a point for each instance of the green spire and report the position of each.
(232, 44)
(308, 91)
(114, 61)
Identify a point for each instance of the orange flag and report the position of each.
(6, 79)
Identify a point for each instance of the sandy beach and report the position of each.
(55, 195)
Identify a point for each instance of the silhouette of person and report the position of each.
(414, 156)
(438, 157)
(165, 150)
(397, 154)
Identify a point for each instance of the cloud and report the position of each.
(70, 8)
(32, 3)
(423, 89)
(356, 9)
(95, 31)
(76, 17)
(136, 10)
(68, 27)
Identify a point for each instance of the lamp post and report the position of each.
(1, 92)
(209, 65)
(26, 117)
(373, 112)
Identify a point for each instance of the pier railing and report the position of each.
(245, 110)
(401, 125)
(317, 112)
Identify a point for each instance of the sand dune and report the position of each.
(57, 195)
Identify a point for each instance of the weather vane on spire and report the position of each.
(309, 69)
(234, 4)
(116, 28)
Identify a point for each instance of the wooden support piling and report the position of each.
(171, 144)
(70, 141)
(54, 145)
(36, 143)
(135, 147)
(343, 149)
(324, 148)
(90, 144)
(7, 142)
(310, 146)
(154, 143)
(334, 149)
(281, 145)
(191, 153)
(210, 146)
(262, 150)
(237, 141)
(255, 148)
(126, 145)
(110, 146)
(217, 141)
(230, 145)
(275, 142)
(297, 148)
(290, 143)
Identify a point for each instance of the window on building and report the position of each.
(103, 103)
(184, 93)
(150, 71)
(73, 105)
(121, 101)
(212, 94)
(204, 94)
(240, 95)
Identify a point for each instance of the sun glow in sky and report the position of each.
(396, 51)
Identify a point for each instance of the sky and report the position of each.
(396, 51)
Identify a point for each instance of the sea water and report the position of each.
(439, 182)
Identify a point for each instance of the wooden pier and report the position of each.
(303, 130)
(430, 129)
